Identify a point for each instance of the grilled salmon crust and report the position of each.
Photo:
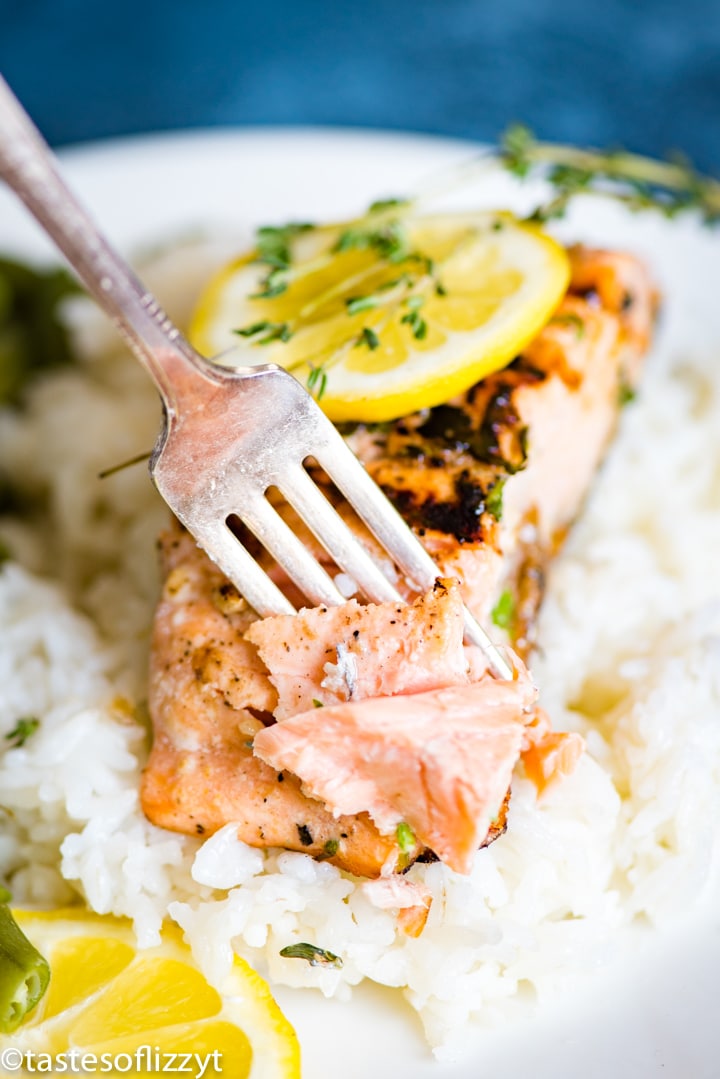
(491, 482)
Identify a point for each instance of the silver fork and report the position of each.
(229, 434)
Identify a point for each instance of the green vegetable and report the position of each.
(316, 957)
(271, 331)
(417, 324)
(368, 337)
(570, 319)
(24, 974)
(405, 837)
(22, 730)
(274, 249)
(32, 337)
(317, 381)
(503, 613)
(626, 393)
(494, 499)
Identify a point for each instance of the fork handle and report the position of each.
(30, 169)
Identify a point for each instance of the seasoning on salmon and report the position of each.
(491, 482)
(325, 656)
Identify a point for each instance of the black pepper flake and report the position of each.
(305, 835)
(356, 633)
(200, 829)
(281, 777)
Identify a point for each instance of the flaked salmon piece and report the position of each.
(325, 656)
(490, 481)
(549, 755)
(440, 761)
(410, 899)
(202, 773)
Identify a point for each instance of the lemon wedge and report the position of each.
(385, 315)
(118, 1005)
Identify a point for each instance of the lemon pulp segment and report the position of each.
(106, 997)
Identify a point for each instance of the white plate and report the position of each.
(653, 1013)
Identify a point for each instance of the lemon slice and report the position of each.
(121, 1005)
(389, 314)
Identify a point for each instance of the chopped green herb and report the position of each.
(390, 241)
(570, 319)
(317, 703)
(368, 337)
(626, 393)
(316, 957)
(415, 302)
(22, 730)
(417, 324)
(273, 285)
(271, 331)
(361, 303)
(317, 381)
(273, 243)
(503, 613)
(405, 837)
(386, 204)
(494, 499)
(331, 847)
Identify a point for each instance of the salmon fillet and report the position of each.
(491, 482)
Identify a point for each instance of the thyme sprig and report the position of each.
(640, 183)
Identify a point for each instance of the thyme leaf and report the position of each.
(503, 613)
(368, 337)
(380, 205)
(356, 304)
(417, 324)
(317, 384)
(494, 499)
(22, 730)
(570, 319)
(626, 393)
(316, 957)
(405, 838)
(271, 331)
(273, 243)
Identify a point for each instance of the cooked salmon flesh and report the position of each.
(370, 734)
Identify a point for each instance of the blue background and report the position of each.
(643, 74)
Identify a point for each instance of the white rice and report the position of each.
(631, 657)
